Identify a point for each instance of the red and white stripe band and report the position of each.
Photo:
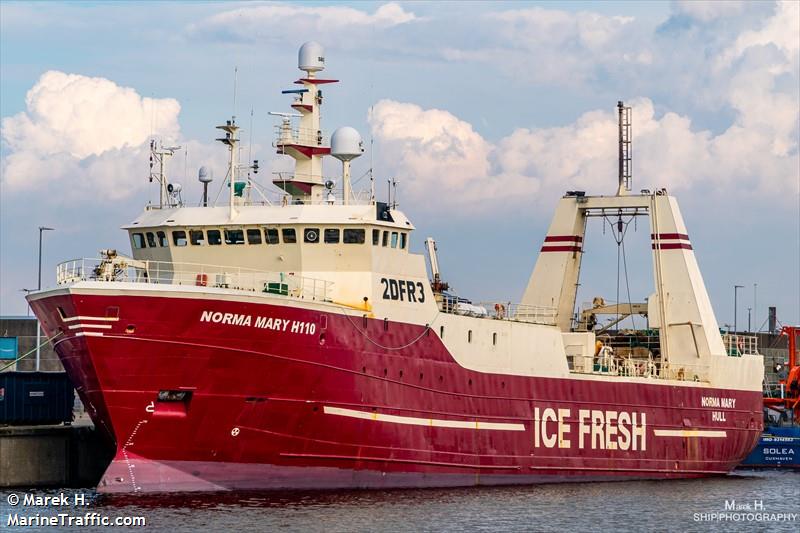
(562, 243)
(670, 241)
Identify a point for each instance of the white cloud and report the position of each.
(85, 116)
(553, 46)
(279, 22)
(441, 160)
(780, 30)
(438, 158)
(707, 10)
(82, 133)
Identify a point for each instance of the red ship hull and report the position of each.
(336, 405)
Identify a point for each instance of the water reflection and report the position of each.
(621, 506)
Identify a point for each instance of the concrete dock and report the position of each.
(52, 456)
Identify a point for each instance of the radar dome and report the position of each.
(346, 144)
(205, 175)
(311, 57)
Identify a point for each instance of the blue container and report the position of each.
(778, 447)
(35, 398)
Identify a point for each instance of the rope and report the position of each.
(628, 285)
(619, 238)
(20, 358)
(424, 332)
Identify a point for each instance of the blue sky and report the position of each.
(484, 112)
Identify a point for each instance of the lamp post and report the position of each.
(38, 288)
(755, 304)
(735, 301)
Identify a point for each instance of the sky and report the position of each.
(484, 113)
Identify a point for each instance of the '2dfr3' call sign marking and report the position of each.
(403, 290)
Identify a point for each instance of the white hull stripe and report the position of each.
(98, 318)
(430, 422)
(97, 326)
(689, 433)
(88, 334)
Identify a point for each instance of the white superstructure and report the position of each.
(328, 246)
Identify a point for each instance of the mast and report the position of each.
(160, 155)
(230, 128)
(306, 144)
(625, 158)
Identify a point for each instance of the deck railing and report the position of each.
(536, 314)
(288, 135)
(738, 345)
(498, 311)
(162, 272)
(607, 364)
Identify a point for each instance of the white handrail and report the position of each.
(174, 273)
(606, 363)
(737, 345)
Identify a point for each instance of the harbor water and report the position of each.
(744, 501)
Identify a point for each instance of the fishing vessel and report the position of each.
(779, 445)
(299, 343)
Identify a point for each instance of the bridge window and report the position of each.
(289, 236)
(138, 241)
(376, 237)
(403, 240)
(179, 238)
(151, 239)
(196, 237)
(214, 237)
(254, 236)
(311, 235)
(271, 235)
(394, 239)
(494, 339)
(469, 336)
(331, 235)
(162, 239)
(385, 240)
(233, 236)
(354, 236)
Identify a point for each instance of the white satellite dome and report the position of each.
(346, 144)
(311, 57)
(205, 175)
